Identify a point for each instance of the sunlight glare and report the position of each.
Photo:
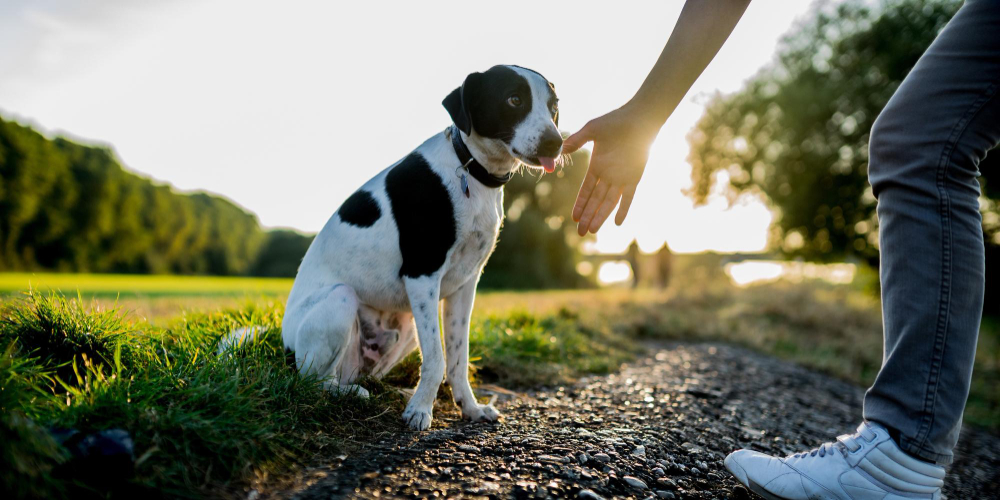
(753, 272)
(613, 272)
(325, 71)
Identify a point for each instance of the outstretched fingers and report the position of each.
(586, 190)
(627, 196)
(607, 205)
(593, 204)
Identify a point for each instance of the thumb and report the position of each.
(577, 140)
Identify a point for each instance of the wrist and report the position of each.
(644, 115)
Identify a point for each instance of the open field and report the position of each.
(128, 286)
(206, 424)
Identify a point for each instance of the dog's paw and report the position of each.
(417, 419)
(482, 413)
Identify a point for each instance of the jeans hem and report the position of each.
(923, 453)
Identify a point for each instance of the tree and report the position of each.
(281, 253)
(538, 245)
(797, 133)
(71, 207)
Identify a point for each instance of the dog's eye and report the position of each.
(514, 101)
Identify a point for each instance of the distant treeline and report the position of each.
(70, 207)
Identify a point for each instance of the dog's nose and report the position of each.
(550, 144)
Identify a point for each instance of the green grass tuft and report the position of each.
(204, 422)
(199, 420)
(519, 349)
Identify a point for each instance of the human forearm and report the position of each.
(622, 138)
(701, 29)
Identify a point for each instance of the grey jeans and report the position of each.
(925, 151)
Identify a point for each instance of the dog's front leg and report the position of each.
(457, 314)
(425, 294)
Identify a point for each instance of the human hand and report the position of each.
(622, 139)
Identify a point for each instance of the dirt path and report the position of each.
(660, 427)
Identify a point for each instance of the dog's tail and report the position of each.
(240, 337)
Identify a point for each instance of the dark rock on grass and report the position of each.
(104, 459)
(684, 408)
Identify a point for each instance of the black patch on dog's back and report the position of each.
(360, 209)
(424, 215)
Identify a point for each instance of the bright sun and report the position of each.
(662, 212)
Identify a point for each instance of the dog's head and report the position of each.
(512, 109)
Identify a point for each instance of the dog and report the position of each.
(369, 288)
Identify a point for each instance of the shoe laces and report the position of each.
(848, 442)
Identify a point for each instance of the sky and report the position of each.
(287, 107)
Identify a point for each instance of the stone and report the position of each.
(635, 482)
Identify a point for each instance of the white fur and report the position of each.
(539, 120)
(350, 277)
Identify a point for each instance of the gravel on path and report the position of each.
(659, 428)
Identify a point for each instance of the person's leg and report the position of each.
(925, 151)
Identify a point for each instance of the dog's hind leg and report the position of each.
(327, 343)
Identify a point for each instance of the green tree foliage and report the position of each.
(281, 253)
(69, 207)
(797, 134)
(538, 246)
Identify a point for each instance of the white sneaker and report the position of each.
(867, 465)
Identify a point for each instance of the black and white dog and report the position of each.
(369, 287)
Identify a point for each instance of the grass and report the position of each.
(204, 423)
(208, 425)
(147, 286)
(198, 420)
(833, 329)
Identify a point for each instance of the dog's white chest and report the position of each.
(474, 244)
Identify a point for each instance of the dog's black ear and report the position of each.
(458, 103)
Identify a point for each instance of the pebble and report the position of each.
(635, 482)
(664, 433)
(740, 493)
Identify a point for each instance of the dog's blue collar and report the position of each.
(472, 166)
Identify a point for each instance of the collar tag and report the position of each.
(472, 167)
(465, 185)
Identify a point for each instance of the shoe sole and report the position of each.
(754, 487)
(762, 492)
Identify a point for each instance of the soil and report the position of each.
(658, 428)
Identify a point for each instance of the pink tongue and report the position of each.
(549, 164)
